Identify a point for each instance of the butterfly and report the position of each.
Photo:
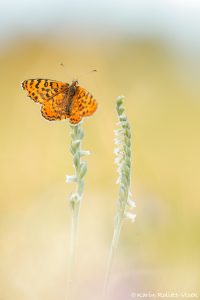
(60, 100)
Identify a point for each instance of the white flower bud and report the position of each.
(71, 178)
(130, 216)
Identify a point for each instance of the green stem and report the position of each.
(73, 249)
(113, 248)
(75, 201)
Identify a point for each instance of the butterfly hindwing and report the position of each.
(55, 108)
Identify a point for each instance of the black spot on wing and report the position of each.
(38, 83)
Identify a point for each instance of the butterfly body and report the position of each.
(71, 93)
(60, 100)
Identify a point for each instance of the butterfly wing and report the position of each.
(40, 90)
(51, 94)
(55, 108)
(83, 105)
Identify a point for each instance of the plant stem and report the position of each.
(75, 201)
(73, 249)
(123, 161)
(113, 247)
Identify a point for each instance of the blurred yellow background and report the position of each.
(159, 78)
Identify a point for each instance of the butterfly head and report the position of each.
(74, 82)
(72, 87)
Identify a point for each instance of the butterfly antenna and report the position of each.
(91, 71)
(63, 66)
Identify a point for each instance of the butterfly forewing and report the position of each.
(83, 103)
(43, 89)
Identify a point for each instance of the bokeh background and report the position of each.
(147, 50)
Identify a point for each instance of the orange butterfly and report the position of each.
(61, 100)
